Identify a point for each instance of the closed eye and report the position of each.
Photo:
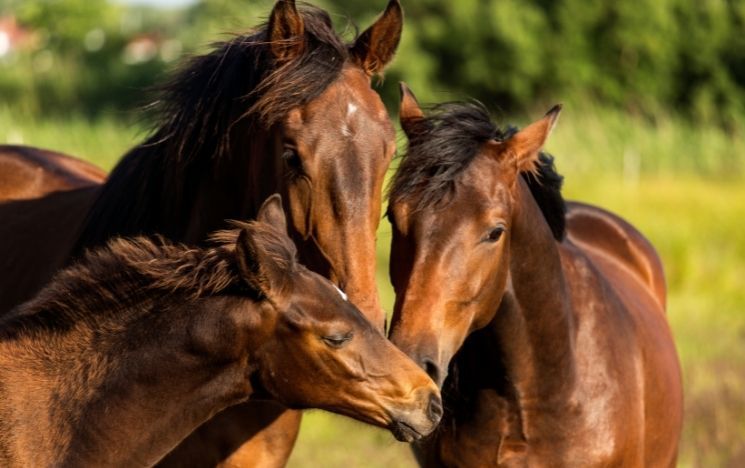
(337, 341)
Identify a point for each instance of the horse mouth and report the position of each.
(404, 433)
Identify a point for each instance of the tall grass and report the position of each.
(681, 185)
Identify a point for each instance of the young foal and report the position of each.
(555, 353)
(123, 354)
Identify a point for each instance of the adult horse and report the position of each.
(288, 109)
(27, 173)
(553, 352)
(101, 366)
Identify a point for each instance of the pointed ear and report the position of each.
(265, 254)
(525, 145)
(409, 113)
(375, 47)
(272, 213)
(265, 260)
(286, 31)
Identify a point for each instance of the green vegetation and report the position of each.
(654, 94)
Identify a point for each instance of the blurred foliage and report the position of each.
(642, 56)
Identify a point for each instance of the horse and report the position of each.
(28, 173)
(127, 351)
(288, 108)
(551, 349)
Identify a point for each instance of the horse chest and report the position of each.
(490, 436)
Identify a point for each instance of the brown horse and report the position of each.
(27, 173)
(125, 353)
(288, 109)
(551, 351)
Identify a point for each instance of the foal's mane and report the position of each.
(128, 273)
(446, 142)
(154, 187)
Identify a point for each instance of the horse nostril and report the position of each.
(431, 369)
(434, 411)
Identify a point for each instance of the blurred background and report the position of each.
(652, 128)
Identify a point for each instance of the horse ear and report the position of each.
(286, 31)
(272, 213)
(525, 145)
(248, 259)
(375, 47)
(264, 252)
(409, 113)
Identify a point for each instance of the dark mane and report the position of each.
(126, 275)
(153, 188)
(450, 138)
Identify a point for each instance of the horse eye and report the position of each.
(495, 234)
(292, 158)
(337, 341)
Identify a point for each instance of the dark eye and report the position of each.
(495, 234)
(292, 159)
(337, 341)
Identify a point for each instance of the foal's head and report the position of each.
(317, 350)
(452, 204)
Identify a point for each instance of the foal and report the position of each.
(128, 351)
(551, 352)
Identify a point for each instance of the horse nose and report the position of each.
(431, 368)
(434, 410)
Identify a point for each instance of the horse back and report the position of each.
(27, 172)
(611, 242)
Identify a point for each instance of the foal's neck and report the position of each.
(534, 322)
(124, 392)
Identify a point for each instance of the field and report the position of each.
(683, 186)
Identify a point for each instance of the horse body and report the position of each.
(123, 354)
(27, 172)
(286, 109)
(561, 352)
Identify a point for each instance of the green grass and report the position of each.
(680, 185)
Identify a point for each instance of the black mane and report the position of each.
(450, 138)
(153, 188)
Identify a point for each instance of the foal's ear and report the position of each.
(265, 254)
(272, 213)
(410, 114)
(375, 47)
(286, 31)
(525, 145)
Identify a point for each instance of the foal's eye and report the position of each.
(292, 159)
(337, 341)
(495, 234)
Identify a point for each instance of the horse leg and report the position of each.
(254, 434)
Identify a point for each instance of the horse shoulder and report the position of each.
(37, 236)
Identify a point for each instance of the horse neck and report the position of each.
(534, 323)
(238, 186)
(149, 193)
(139, 380)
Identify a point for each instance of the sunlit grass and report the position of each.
(682, 186)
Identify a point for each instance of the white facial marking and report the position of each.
(351, 109)
(341, 293)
